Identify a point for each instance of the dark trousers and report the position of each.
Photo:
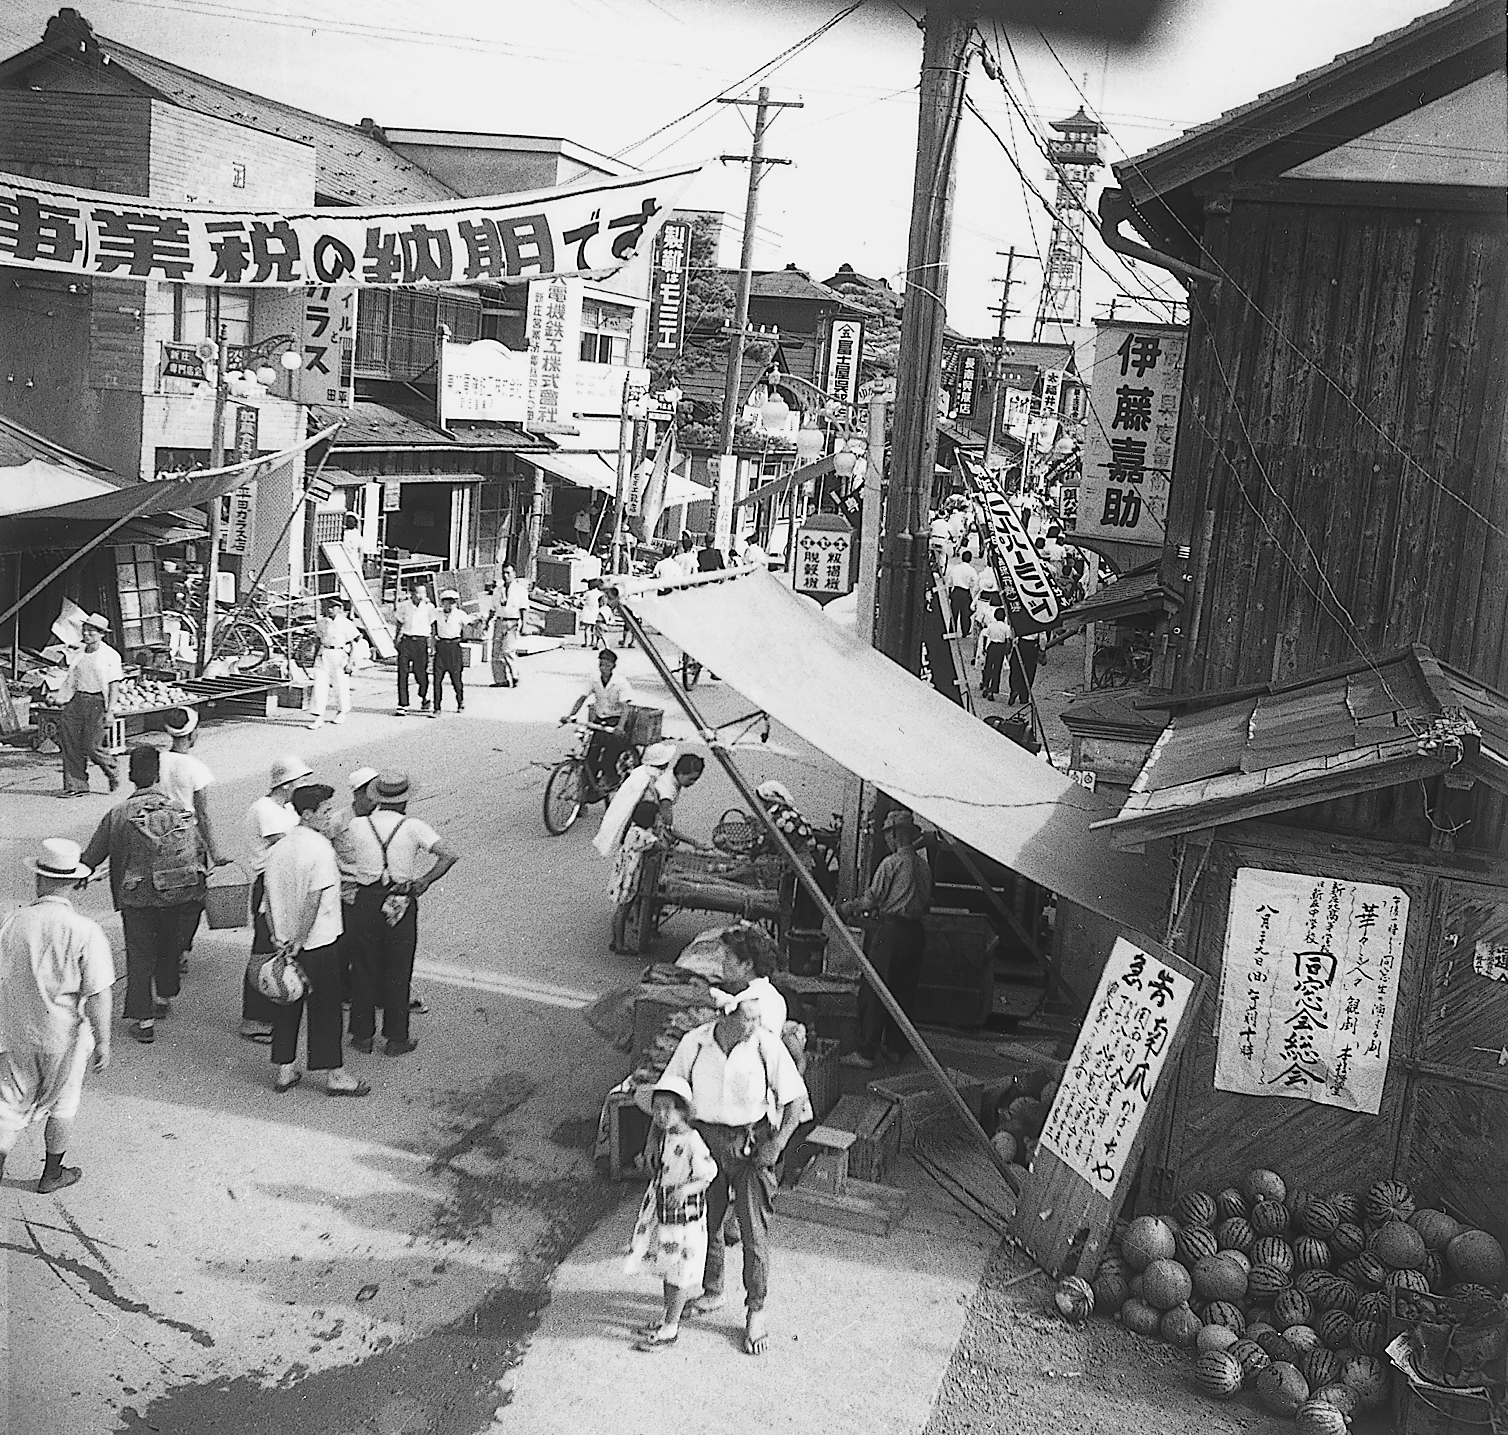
(750, 1189)
(1024, 659)
(962, 603)
(382, 964)
(603, 750)
(81, 736)
(413, 657)
(254, 1006)
(323, 1001)
(896, 951)
(448, 665)
(154, 942)
(994, 661)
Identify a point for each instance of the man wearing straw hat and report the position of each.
(449, 625)
(187, 779)
(88, 698)
(55, 980)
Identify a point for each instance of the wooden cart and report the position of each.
(757, 889)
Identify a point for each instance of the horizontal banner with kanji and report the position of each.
(577, 230)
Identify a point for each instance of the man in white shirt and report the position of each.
(508, 606)
(337, 635)
(747, 1099)
(670, 568)
(303, 909)
(996, 637)
(269, 820)
(753, 555)
(88, 698)
(408, 856)
(187, 781)
(450, 623)
(55, 981)
(962, 583)
(416, 626)
(608, 698)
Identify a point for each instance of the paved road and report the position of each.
(237, 1260)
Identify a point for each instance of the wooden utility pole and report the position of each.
(904, 563)
(756, 159)
(212, 509)
(1005, 312)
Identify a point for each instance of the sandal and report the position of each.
(261, 1038)
(281, 1086)
(360, 1089)
(656, 1341)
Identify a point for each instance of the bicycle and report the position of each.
(570, 786)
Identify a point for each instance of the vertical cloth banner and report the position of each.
(1013, 556)
(1308, 987)
(580, 229)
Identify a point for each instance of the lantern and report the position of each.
(810, 443)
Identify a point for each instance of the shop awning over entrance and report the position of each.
(580, 470)
(895, 731)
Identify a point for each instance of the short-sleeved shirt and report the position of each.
(268, 820)
(93, 672)
(451, 624)
(609, 699)
(416, 620)
(997, 630)
(670, 567)
(182, 775)
(302, 863)
(591, 607)
(964, 575)
(337, 631)
(512, 599)
(409, 841)
(51, 960)
(751, 1083)
(902, 885)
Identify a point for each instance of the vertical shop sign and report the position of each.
(1013, 556)
(552, 334)
(327, 341)
(667, 307)
(823, 557)
(1134, 399)
(845, 346)
(1110, 1079)
(965, 382)
(238, 509)
(1308, 986)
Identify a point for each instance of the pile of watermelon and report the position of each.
(1286, 1293)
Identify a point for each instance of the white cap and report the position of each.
(361, 777)
(181, 726)
(288, 769)
(450, 593)
(659, 754)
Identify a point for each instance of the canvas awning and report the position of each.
(809, 473)
(892, 729)
(580, 470)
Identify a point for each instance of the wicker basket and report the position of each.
(227, 903)
(644, 724)
(1436, 1410)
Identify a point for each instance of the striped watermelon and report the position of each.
(1368, 1337)
(1334, 1327)
(1311, 1254)
(1269, 1218)
(1226, 1313)
(1230, 1202)
(1236, 1234)
(1348, 1206)
(1368, 1377)
(1195, 1241)
(1253, 1359)
(1319, 1417)
(1320, 1218)
(1273, 1251)
(1265, 1282)
(1219, 1374)
(1349, 1241)
(1389, 1201)
(1321, 1367)
(1197, 1208)
(1291, 1307)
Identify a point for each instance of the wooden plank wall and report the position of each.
(1335, 532)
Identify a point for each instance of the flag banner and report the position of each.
(586, 230)
(1013, 556)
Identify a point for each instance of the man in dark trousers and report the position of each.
(898, 898)
(88, 698)
(450, 623)
(709, 559)
(416, 625)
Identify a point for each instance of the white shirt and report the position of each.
(609, 699)
(51, 960)
(753, 553)
(409, 842)
(338, 632)
(416, 620)
(670, 567)
(511, 601)
(451, 624)
(753, 1082)
(591, 607)
(301, 864)
(267, 821)
(93, 672)
(964, 575)
(686, 557)
(181, 775)
(996, 630)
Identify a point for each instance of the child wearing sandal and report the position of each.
(670, 1236)
(641, 835)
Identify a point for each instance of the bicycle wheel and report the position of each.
(244, 644)
(563, 795)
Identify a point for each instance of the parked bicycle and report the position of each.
(572, 785)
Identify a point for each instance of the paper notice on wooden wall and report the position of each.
(1111, 1077)
(1308, 987)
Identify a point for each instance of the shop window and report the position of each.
(139, 584)
(605, 332)
(397, 329)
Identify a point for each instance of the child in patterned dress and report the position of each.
(641, 835)
(670, 1236)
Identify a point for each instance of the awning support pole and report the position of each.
(711, 737)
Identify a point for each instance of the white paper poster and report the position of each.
(1308, 986)
(1110, 1078)
(483, 380)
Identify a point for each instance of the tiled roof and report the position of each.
(1138, 591)
(352, 167)
(792, 284)
(374, 425)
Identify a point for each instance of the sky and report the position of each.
(610, 73)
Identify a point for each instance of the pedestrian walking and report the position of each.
(641, 838)
(187, 780)
(55, 980)
(670, 1234)
(416, 628)
(450, 623)
(1026, 653)
(591, 614)
(302, 902)
(409, 857)
(270, 819)
(158, 864)
(88, 699)
(996, 636)
(962, 583)
(509, 606)
(746, 1102)
(899, 896)
(337, 637)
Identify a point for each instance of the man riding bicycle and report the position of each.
(608, 698)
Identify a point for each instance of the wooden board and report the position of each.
(363, 605)
(1091, 1145)
(860, 1206)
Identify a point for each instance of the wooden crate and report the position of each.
(920, 1100)
(627, 1131)
(821, 1075)
(876, 1127)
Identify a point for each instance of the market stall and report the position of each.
(755, 889)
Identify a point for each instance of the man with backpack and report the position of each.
(158, 863)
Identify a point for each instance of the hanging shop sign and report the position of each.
(1128, 437)
(592, 230)
(965, 384)
(845, 346)
(1308, 987)
(824, 569)
(667, 302)
(181, 361)
(1052, 392)
(483, 381)
(554, 321)
(327, 340)
(238, 509)
(1017, 412)
(1013, 556)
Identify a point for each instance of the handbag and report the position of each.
(279, 976)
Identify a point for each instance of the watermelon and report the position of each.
(1134, 1285)
(1147, 1239)
(1180, 1326)
(1229, 1203)
(1166, 1284)
(1140, 1318)
(1341, 1396)
(1368, 1337)
(1399, 1247)
(1432, 1268)
(1215, 1337)
(1282, 1389)
(1475, 1258)
(1269, 1218)
(1253, 1360)
(1366, 1271)
(1279, 1349)
(1334, 1328)
(1368, 1377)
(1196, 1241)
(1436, 1229)
(1319, 1417)
(1320, 1219)
(1273, 1251)
(1389, 1201)
(1348, 1206)
(1372, 1306)
(1408, 1281)
(1290, 1307)
(1321, 1367)
(1236, 1234)
(1225, 1313)
(1259, 1322)
(1263, 1185)
(1311, 1254)
(1317, 1285)
(1473, 1294)
(1265, 1282)
(1074, 1298)
(1219, 1374)
(1348, 1241)
(1217, 1278)
(1303, 1338)
(1197, 1208)
(1239, 1258)
(1111, 1290)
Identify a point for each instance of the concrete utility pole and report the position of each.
(756, 159)
(904, 564)
(212, 509)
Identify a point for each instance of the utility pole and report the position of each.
(1005, 312)
(212, 508)
(905, 564)
(722, 490)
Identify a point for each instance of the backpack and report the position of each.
(167, 846)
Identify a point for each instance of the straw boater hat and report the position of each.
(392, 787)
(58, 858)
(659, 754)
(451, 594)
(181, 721)
(95, 621)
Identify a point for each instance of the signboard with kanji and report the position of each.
(1134, 396)
(667, 293)
(1017, 565)
(1093, 1135)
(327, 338)
(845, 347)
(483, 380)
(582, 231)
(1308, 986)
(824, 568)
(965, 384)
(238, 509)
(554, 319)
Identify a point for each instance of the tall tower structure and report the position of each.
(1075, 152)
